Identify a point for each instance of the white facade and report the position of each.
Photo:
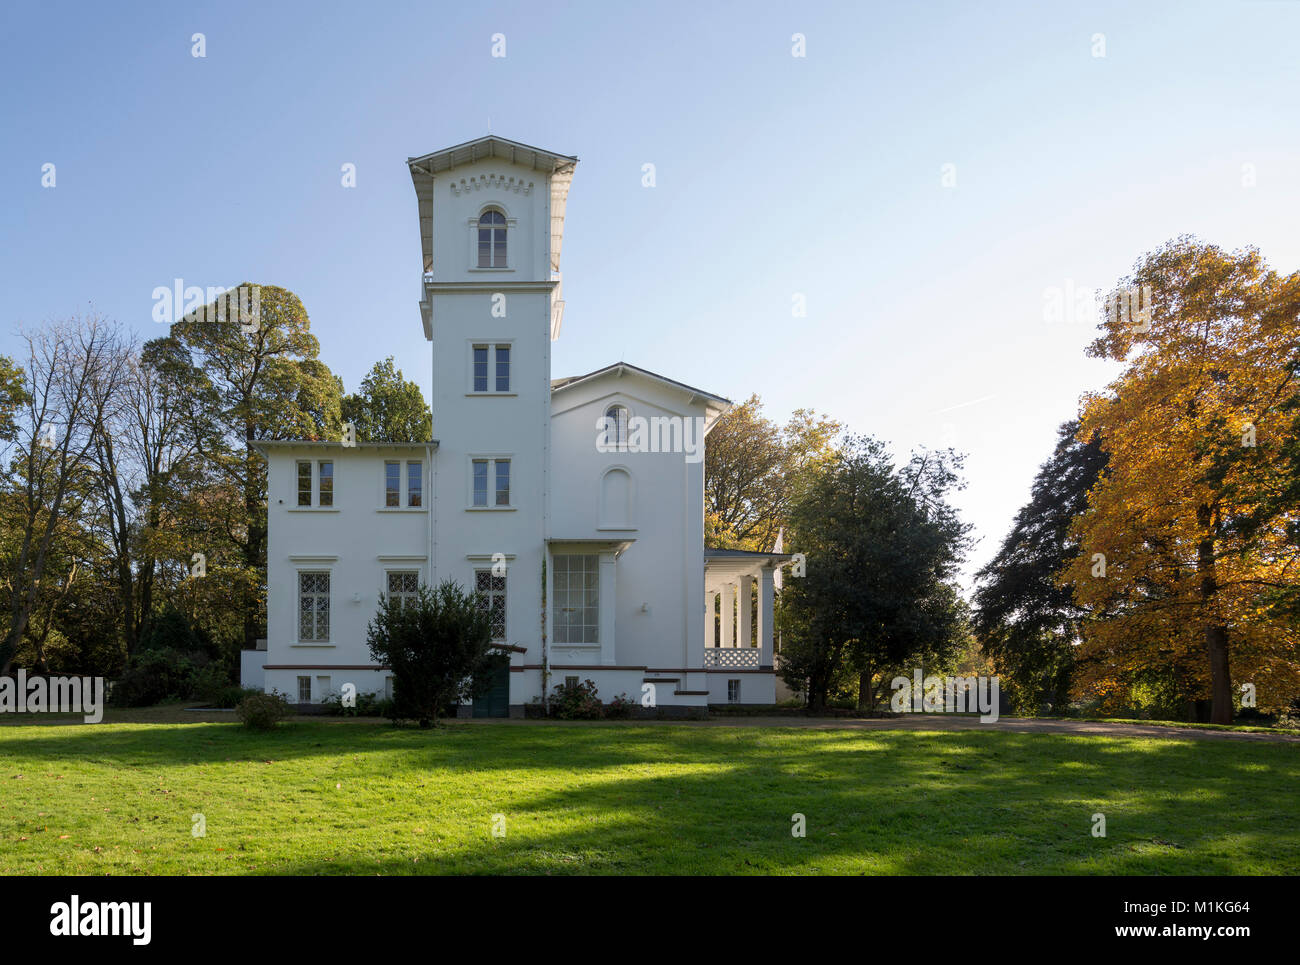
(595, 517)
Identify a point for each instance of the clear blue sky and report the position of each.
(776, 175)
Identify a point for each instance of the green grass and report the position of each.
(340, 796)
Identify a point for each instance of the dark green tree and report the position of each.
(1025, 620)
(882, 546)
(438, 647)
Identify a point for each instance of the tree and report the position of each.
(882, 545)
(1183, 541)
(1025, 620)
(438, 646)
(265, 381)
(74, 376)
(754, 471)
(388, 408)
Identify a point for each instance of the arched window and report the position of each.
(616, 427)
(492, 240)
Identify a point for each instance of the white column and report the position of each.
(710, 631)
(728, 615)
(744, 607)
(765, 626)
(608, 598)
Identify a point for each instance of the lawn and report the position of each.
(360, 797)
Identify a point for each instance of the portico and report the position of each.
(738, 622)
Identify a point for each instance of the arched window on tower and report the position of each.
(492, 240)
(616, 427)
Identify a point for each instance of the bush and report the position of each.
(260, 711)
(576, 702)
(367, 705)
(620, 707)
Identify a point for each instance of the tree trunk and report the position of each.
(866, 692)
(1216, 633)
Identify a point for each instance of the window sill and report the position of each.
(490, 395)
(401, 509)
(313, 509)
(313, 645)
(492, 270)
(490, 509)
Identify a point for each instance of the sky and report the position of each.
(927, 178)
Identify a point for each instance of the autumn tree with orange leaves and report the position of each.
(1185, 545)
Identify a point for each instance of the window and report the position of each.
(570, 683)
(414, 483)
(492, 240)
(733, 691)
(327, 484)
(577, 599)
(313, 607)
(616, 427)
(304, 690)
(503, 368)
(304, 483)
(392, 483)
(497, 375)
(503, 482)
(324, 488)
(492, 599)
(493, 472)
(403, 587)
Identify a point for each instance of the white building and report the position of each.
(575, 505)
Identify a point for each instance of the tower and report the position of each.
(491, 225)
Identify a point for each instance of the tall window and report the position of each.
(414, 483)
(392, 483)
(492, 599)
(493, 473)
(577, 599)
(403, 587)
(304, 690)
(326, 484)
(492, 240)
(304, 482)
(313, 607)
(503, 482)
(503, 368)
(616, 426)
(733, 691)
(485, 373)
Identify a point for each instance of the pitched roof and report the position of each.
(564, 383)
(537, 158)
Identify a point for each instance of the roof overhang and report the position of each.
(715, 405)
(266, 445)
(491, 146)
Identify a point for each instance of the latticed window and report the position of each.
(492, 598)
(403, 586)
(577, 599)
(492, 240)
(327, 484)
(313, 607)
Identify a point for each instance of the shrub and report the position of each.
(231, 695)
(439, 647)
(576, 702)
(620, 707)
(260, 711)
(367, 705)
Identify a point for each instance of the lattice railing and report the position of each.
(731, 658)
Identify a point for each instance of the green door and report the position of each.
(496, 702)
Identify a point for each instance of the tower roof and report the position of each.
(486, 147)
